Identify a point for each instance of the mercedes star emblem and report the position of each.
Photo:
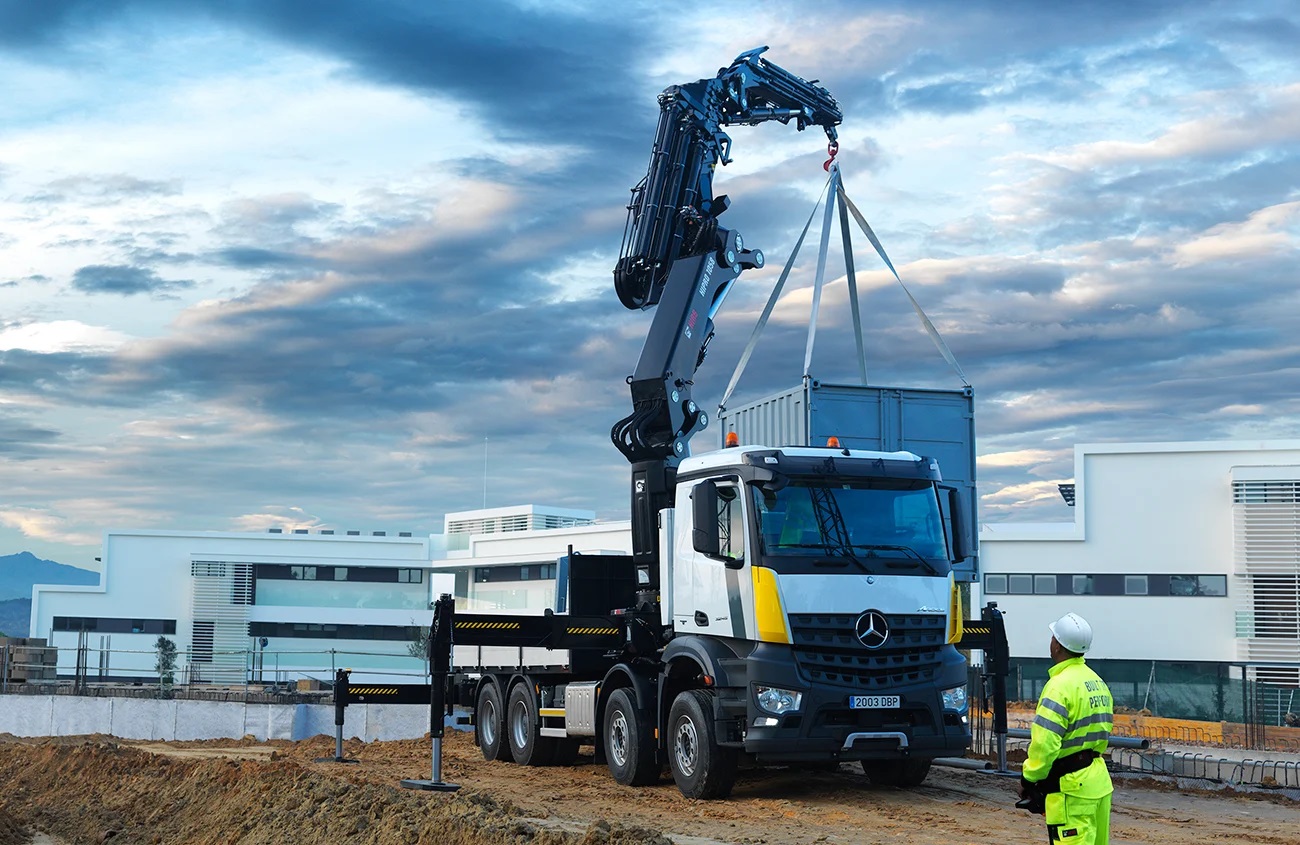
(871, 629)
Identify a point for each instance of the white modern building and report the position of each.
(241, 606)
(280, 607)
(505, 558)
(1184, 557)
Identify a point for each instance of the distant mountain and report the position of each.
(19, 572)
(15, 616)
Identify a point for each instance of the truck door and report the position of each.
(720, 587)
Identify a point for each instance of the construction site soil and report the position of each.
(70, 791)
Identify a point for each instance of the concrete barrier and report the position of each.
(135, 718)
(35, 718)
(74, 716)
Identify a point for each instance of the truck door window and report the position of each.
(731, 522)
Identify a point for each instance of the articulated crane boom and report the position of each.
(783, 604)
(676, 256)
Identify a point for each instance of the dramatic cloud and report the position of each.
(359, 255)
(120, 279)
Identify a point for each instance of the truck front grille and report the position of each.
(828, 652)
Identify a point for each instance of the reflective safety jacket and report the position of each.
(1075, 713)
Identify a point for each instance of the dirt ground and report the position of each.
(96, 789)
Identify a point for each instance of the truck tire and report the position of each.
(489, 724)
(904, 773)
(629, 741)
(527, 745)
(701, 767)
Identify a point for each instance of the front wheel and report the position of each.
(905, 773)
(701, 767)
(629, 741)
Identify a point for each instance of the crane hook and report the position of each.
(832, 149)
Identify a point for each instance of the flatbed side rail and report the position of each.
(553, 631)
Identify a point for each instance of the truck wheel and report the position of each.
(701, 767)
(527, 745)
(905, 773)
(629, 741)
(489, 724)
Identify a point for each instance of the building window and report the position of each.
(303, 573)
(1135, 585)
(1045, 585)
(1081, 585)
(995, 585)
(111, 625)
(312, 631)
(410, 576)
(1020, 585)
(1198, 585)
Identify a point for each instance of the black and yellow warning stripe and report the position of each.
(372, 690)
(603, 632)
(490, 626)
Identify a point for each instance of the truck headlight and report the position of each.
(776, 700)
(954, 699)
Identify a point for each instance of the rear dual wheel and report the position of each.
(489, 724)
(523, 730)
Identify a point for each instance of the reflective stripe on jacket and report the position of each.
(1075, 713)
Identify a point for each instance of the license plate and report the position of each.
(873, 702)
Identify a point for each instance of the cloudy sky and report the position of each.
(318, 264)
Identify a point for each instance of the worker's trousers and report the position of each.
(1072, 820)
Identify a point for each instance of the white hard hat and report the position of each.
(1073, 632)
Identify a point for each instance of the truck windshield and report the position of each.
(881, 525)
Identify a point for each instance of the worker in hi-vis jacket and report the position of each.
(1065, 777)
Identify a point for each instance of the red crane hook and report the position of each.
(832, 149)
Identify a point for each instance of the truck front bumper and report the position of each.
(826, 728)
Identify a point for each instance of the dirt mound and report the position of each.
(101, 791)
(11, 833)
(96, 790)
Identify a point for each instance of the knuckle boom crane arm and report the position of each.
(676, 256)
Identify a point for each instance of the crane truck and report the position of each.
(782, 605)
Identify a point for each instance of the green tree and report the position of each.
(419, 647)
(165, 665)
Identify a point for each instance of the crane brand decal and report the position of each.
(709, 265)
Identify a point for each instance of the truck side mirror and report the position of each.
(960, 539)
(704, 517)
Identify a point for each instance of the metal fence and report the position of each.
(266, 676)
(1211, 692)
(1170, 706)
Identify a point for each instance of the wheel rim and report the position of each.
(686, 746)
(487, 722)
(519, 724)
(618, 738)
